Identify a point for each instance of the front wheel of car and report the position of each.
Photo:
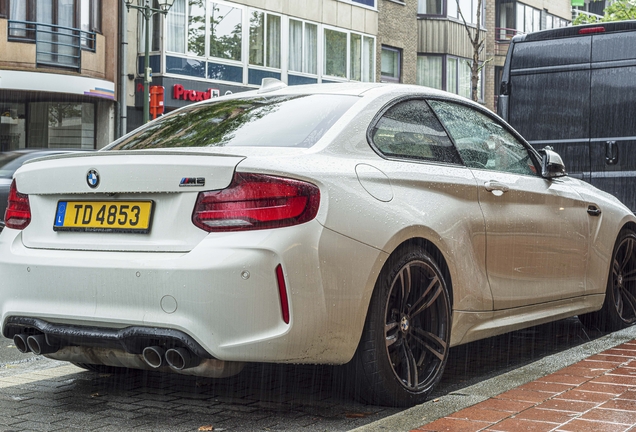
(619, 307)
(405, 342)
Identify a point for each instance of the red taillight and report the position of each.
(589, 30)
(256, 201)
(18, 213)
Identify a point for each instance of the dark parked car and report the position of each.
(10, 162)
(573, 89)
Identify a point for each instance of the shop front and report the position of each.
(42, 110)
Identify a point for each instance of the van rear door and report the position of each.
(613, 115)
(549, 101)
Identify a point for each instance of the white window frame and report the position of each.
(246, 12)
(303, 48)
(356, 3)
(321, 53)
(400, 54)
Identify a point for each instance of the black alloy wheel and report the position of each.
(405, 342)
(619, 308)
(622, 281)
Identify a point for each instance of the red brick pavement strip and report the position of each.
(596, 394)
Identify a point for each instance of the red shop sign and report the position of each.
(178, 92)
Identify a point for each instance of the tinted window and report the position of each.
(411, 130)
(555, 52)
(282, 121)
(482, 142)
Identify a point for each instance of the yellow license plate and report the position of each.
(104, 216)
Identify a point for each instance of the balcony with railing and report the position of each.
(589, 15)
(55, 45)
(503, 36)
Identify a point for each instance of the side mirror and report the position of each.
(551, 164)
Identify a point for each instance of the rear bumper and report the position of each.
(131, 340)
(223, 294)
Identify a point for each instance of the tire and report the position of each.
(405, 341)
(619, 307)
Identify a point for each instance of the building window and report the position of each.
(61, 125)
(264, 39)
(458, 77)
(447, 73)
(175, 21)
(430, 71)
(154, 28)
(430, 7)
(303, 47)
(225, 31)
(335, 53)
(311, 50)
(391, 64)
(467, 9)
(370, 3)
(195, 37)
(361, 57)
(513, 17)
(91, 15)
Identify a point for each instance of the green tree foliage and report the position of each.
(227, 46)
(619, 10)
(212, 125)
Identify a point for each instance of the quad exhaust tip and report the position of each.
(39, 345)
(153, 356)
(180, 359)
(20, 342)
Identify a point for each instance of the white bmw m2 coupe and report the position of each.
(370, 224)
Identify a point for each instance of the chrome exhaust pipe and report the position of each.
(180, 359)
(153, 356)
(39, 345)
(20, 342)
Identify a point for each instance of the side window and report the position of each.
(482, 142)
(411, 130)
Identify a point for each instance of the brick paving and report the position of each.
(596, 394)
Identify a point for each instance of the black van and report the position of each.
(574, 89)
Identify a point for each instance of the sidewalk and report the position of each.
(588, 388)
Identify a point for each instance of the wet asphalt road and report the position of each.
(41, 394)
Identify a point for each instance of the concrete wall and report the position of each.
(330, 12)
(397, 28)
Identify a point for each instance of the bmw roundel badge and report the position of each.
(92, 178)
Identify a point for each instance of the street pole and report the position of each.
(147, 11)
(147, 15)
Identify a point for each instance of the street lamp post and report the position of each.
(147, 11)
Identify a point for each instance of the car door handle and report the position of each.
(592, 210)
(611, 153)
(493, 185)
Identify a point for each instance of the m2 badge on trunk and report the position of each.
(192, 181)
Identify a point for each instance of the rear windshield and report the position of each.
(281, 121)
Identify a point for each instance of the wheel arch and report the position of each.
(628, 225)
(435, 252)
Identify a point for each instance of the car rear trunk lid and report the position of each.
(167, 181)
